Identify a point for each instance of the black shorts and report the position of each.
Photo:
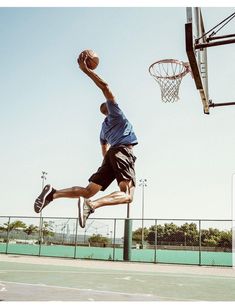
(119, 164)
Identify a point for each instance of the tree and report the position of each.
(158, 230)
(46, 230)
(170, 231)
(31, 229)
(98, 238)
(190, 232)
(137, 235)
(225, 239)
(16, 225)
(210, 237)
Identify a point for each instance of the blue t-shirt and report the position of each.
(116, 129)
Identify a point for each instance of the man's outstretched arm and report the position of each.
(98, 81)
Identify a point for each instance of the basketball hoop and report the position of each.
(168, 74)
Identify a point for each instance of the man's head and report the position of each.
(104, 109)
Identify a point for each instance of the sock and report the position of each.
(88, 202)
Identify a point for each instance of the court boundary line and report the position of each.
(97, 291)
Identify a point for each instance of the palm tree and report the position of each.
(31, 229)
(16, 225)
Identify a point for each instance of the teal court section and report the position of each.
(108, 253)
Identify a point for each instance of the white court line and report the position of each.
(87, 290)
(2, 288)
(155, 274)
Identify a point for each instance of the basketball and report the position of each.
(92, 60)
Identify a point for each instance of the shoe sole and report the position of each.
(80, 211)
(40, 201)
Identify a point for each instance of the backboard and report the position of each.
(194, 31)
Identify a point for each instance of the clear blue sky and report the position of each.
(50, 118)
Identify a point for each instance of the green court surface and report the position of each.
(30, 278)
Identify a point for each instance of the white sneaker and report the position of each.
(84, 211)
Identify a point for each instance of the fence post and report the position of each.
(114, 238)
(127, 240)
(127, 236)
(155, 242)
(8, 234)
(200, 256)
(75, 242)
(40, 235)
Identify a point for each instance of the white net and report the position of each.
(169, 74)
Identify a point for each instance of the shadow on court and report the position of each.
(25, 278)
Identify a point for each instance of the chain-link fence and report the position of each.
(199, 242)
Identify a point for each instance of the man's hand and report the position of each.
(82, 62)
(98, 81)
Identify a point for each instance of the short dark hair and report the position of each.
(103, 108)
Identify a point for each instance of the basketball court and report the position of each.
(33, 278)
(27, 278)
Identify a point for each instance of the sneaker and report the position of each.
(84, 211)
(44, 198)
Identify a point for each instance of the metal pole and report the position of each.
(200, 243)
(213, 44)
(143, 185)
(40, 239)
(155, 242)
(9, 220)
(127, 240)
(127, 236)
(128, 211)
(219, 37)
(142, 234)
(222, 104)
(114, 238)
(43, 177)
(75, 243)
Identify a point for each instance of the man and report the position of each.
(117, 139)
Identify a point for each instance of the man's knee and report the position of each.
(130, 198)
(91, 190)
(86, 192)
(128, 188)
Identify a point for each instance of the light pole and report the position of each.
(43, 177)
(85, 230)
(143, 184)
(185, 238)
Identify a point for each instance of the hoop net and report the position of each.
(168, 74)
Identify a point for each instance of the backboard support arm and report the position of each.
(221, 104)
(193, 63)
(219, 43)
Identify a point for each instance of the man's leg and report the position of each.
(76, 192)
(124, 196)
(48, 194)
